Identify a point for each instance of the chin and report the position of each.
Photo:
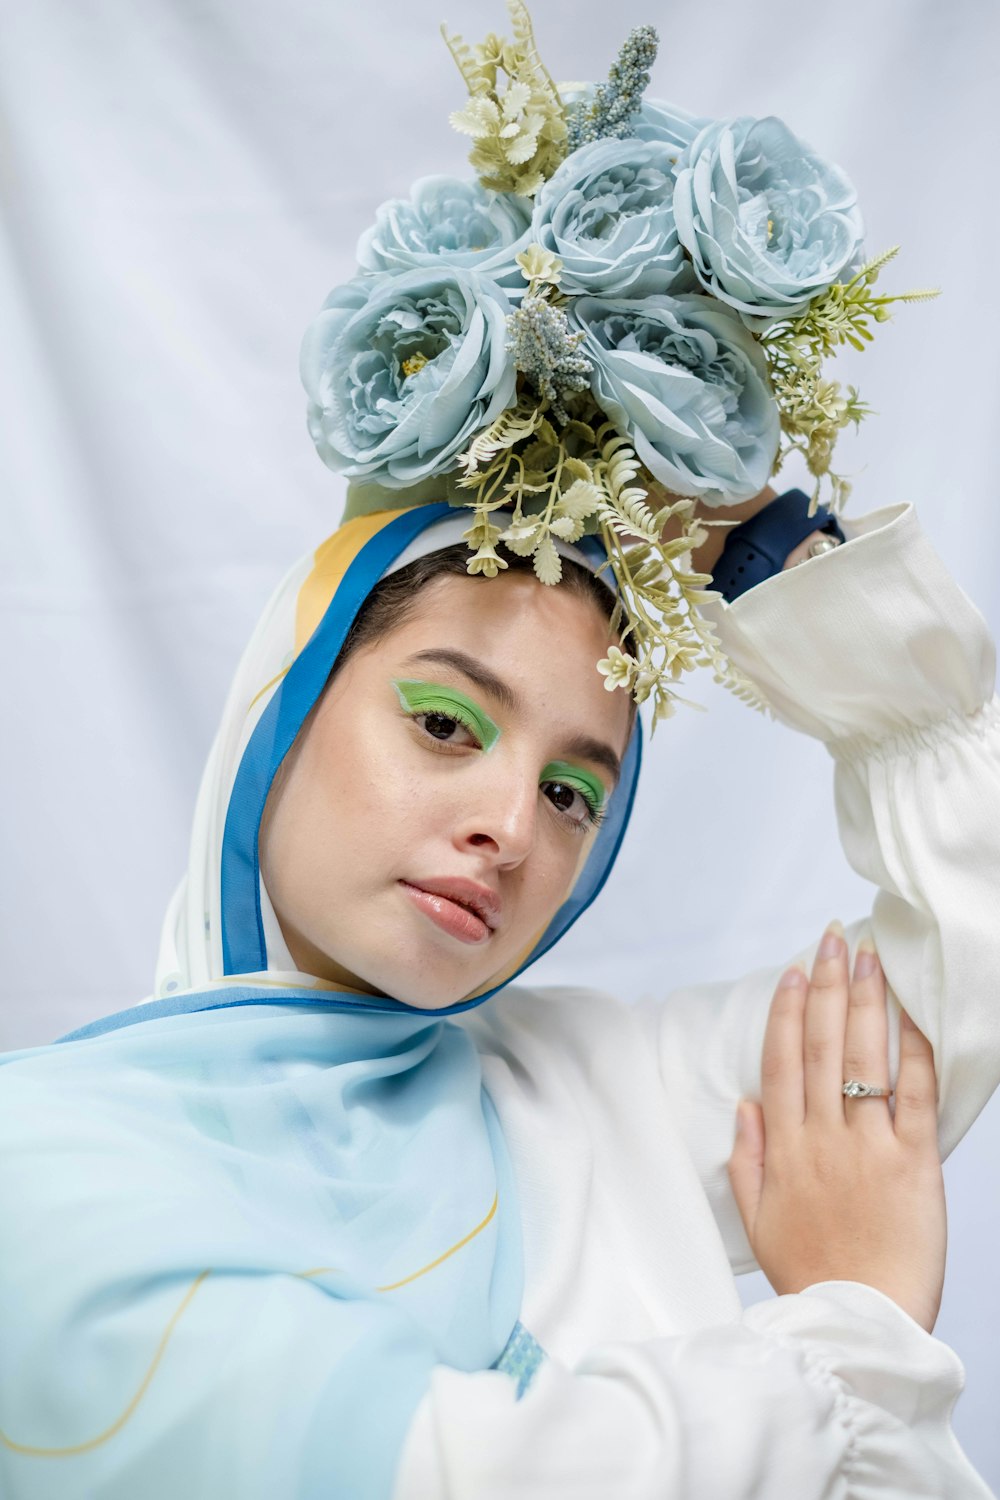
(411, 961)
(404, 958)
(430, 994)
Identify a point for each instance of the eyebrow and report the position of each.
(584, 745)
(598, 752)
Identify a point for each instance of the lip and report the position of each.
(462, 908)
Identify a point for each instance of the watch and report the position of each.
(759, 548)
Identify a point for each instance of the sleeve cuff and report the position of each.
(867, 639)
(867, 1338)
(874, 1353)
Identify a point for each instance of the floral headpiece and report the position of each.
(620, 324)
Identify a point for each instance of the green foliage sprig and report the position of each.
(529, 488)
(531, 482)
(815, 410)
(519, 131)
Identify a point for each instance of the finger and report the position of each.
(746, 1164)
(781, 1082)
(825, 1024)
(866, 1041)
(916, 1087)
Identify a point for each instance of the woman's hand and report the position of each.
(832, 1188)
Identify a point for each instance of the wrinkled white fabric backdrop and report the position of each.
(182, 184)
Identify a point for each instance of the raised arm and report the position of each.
(874, 649)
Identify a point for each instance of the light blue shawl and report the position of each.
(241, 1223)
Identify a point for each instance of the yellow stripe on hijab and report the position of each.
(332, 560)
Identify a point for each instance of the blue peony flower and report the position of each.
(686, 382)
(607, 213)
(768, 224)
(447, 220)
(659, 121)
(401, 371)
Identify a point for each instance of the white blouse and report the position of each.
(656, 1384)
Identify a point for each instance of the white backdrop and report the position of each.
(182, 184)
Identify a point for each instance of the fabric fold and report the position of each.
(870, 638)
(831, 1394)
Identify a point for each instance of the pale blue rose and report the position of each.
(607, 213)
(401, 371)
(659, 121)
(452, 221)
(685, 381)
(768, 224)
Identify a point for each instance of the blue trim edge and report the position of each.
(243, 946)
(240, 995)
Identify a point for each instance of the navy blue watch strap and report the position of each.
(758, 548)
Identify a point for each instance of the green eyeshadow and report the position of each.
(590, 787)
(434, 698)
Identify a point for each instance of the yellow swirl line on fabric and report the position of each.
(267, 685)
(29, 1451)
(393, 1285)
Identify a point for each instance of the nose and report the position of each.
(499, 817)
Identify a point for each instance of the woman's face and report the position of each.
(438, 802)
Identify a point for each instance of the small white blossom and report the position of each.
(644, 683)
(617, 668)
(486, 562)
(539, 264)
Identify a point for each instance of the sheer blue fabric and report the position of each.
(235, 1243)
(242, 1222)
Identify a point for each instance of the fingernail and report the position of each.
(865, 959)
(832, 940)
(791, 977)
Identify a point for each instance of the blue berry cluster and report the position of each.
(611, 113)
(547, 352)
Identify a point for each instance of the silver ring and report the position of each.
(855, 1090)
(823, 544)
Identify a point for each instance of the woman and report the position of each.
(344, 1211)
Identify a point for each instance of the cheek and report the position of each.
(355, 798)
(552, 869)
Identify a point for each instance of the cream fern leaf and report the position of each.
(508, 429)
(470, 70)
(548, 563)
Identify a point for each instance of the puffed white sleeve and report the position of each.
(833, 1393)
(874, 649)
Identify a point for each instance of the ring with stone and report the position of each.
(821, 544)
(855, 1090)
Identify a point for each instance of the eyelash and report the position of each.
(595, 815)
(446, 711)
